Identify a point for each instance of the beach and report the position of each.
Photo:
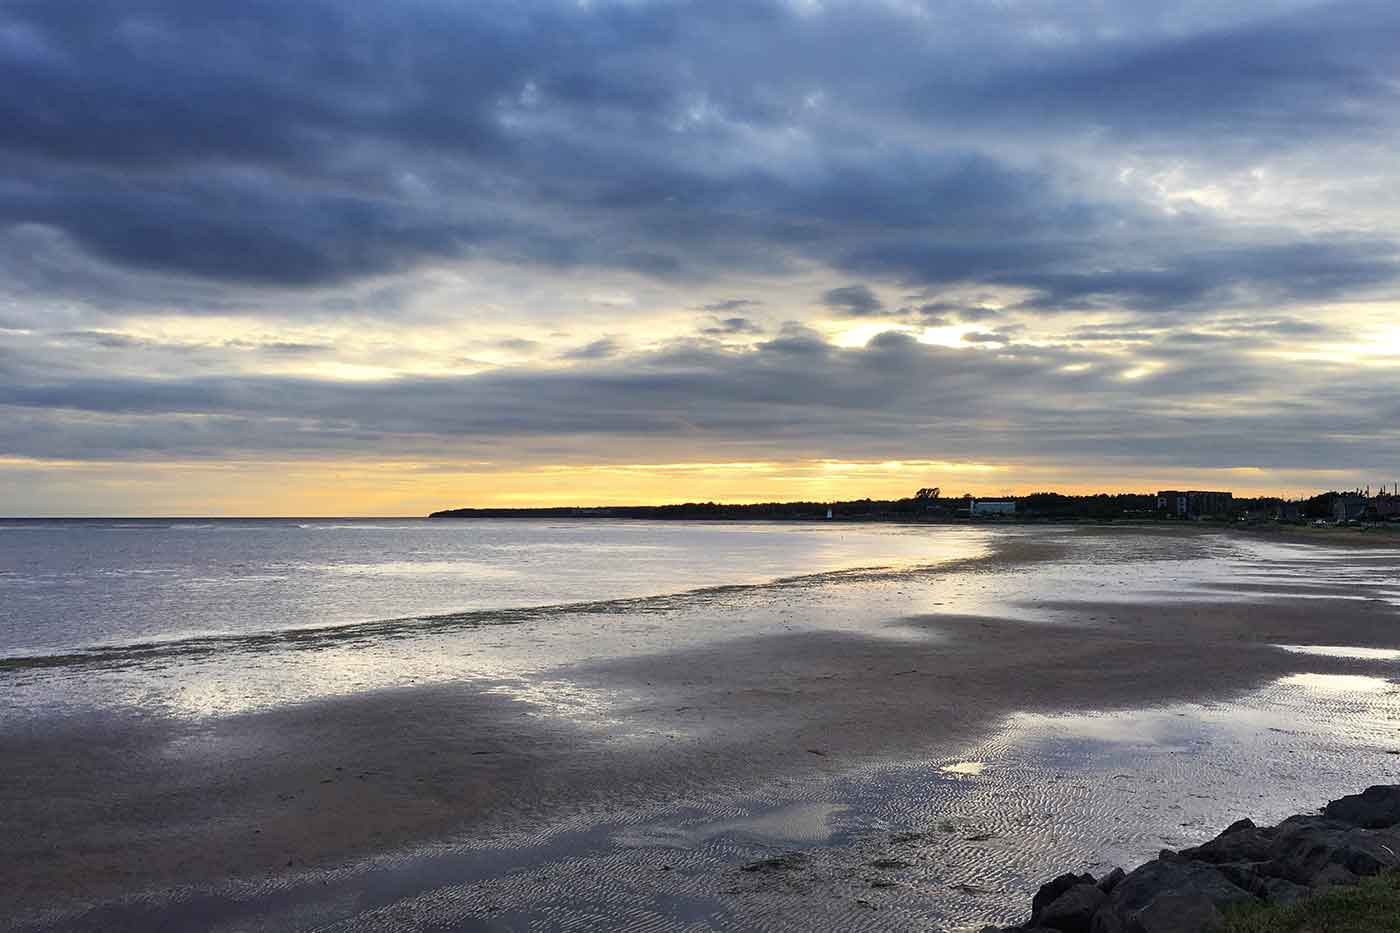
(928, 735)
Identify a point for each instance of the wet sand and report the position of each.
(96, 810)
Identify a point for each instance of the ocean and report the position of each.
(77, 585)
(331, 724)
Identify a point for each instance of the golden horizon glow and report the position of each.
(413, 488)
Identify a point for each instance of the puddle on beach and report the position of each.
(933, 845)
(1344, 651)
(800, 824)
(1341, 683)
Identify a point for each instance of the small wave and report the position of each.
(365, 526)
(155, 652)
(421, 568)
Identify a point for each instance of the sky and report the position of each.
(313, 257)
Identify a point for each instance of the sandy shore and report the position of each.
(93, 810)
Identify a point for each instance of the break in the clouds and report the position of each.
(1162, 231)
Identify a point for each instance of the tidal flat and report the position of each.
(562, 726)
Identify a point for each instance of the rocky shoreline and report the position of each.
(1184, 892)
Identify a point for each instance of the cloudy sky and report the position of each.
(310, 257)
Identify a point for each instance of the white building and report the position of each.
(993, 507)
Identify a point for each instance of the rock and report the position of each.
(1186, 892)
(1108, 920)
(1306, 845)
(1178, 912)
(1246, 876)
(1334, 875)
(1051, 890)
(1376, 807)
(1155, 879)
(1279, 891)
(1110, 881)
(1236, 844)
(1073, 910)
(1238, 826)
(1173, 895)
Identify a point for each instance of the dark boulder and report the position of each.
(1279, 891)
(1305, 846)
(1108, 920)
(1169, 876)
(1376, 807)
(1248, 876)
(1334, 875)
(1236, 844)
(1110, 881)
(1178, 912)
(1073, 911)
(1238, 826)
(1051, 890)
(1187, 892)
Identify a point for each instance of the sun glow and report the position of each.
(1140, 371)
(951, 336)
(858, 336)
(415, 487)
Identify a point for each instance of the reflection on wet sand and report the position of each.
(932, 740)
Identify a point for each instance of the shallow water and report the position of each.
(521, 610)
(100, 615)
(887, 846)
(70, 585)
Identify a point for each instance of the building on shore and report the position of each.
(1350, 508)
(986, 507)
(1195, 503)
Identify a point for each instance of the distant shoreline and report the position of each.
(900, 511)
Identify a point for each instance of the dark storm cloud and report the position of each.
(791, 396)
(853, 301)
(107, 339)
(1270, 81)
(977, 314)
(309, 157)
(1094, 334)
(1226, 274)
(115, 340)
(730, 304)
(235, 229)
(306, 142)
(731, 326)
(990, 336)
(599, 349)
(1282, 327)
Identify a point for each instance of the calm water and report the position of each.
(188, 622)
(71, 585)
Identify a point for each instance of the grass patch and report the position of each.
(1373, 906)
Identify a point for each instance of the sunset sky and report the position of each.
(304, 257)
